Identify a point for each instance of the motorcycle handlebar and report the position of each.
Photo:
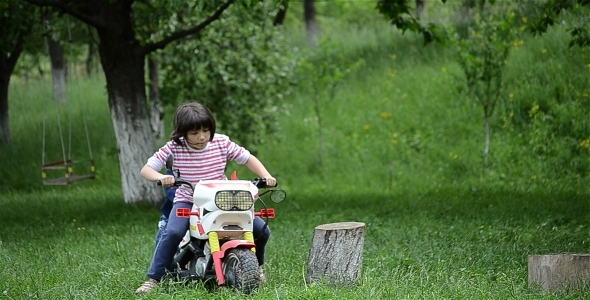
(258, 182)
(261, 183)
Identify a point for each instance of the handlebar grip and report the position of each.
(261, 183)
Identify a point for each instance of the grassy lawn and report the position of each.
(431, 244)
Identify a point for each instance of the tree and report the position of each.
(18, 20)
(243, 75)
(122, 54)
(482, 56)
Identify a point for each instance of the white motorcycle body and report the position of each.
(222, 230)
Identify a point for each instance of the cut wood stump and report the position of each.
(563, 271)
(336, 254)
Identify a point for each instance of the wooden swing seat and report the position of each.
(66, 166)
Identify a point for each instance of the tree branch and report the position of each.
(71, 10)
(151, 47)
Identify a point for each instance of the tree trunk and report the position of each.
(311, 26)
(419, 8)
(90, 58)
(5, 72)
(157, 111)
(56, 56)
(280, 16)
(123, 61)
(336, 254)
(7, 64)
(553, 272)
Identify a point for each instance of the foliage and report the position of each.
(242, 73)
(550, 15)
(17, 17)
(398, 13)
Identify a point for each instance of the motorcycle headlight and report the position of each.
(234, 200)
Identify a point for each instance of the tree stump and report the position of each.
(564, 271)
(336, 254)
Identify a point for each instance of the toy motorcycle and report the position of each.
(219, 243)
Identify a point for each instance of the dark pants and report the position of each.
(171, 233)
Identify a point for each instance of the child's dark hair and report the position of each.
(192, 116)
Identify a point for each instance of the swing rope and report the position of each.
(78, 89)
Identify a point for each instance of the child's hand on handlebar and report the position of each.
(271, 181)
(166, 180)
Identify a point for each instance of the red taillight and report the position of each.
(183, 212)
(266, 213)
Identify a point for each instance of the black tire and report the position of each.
(241, 271)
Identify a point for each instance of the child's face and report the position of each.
(198, 139)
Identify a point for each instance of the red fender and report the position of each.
(219, 255)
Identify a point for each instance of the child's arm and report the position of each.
(152, 175)
(258, 168)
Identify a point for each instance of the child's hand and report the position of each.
(166, 180)
(271, 181)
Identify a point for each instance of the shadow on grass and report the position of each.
(53, 213)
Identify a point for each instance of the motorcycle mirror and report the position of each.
(277, 196)
(169, 161)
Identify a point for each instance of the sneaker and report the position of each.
(262, 277)
(147, 286)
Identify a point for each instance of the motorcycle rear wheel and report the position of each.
(241, 270)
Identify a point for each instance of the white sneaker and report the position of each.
(147, 286)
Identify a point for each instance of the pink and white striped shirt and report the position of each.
(196, 165)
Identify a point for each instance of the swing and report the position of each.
(66, 170)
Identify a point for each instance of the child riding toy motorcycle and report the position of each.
(219, 243)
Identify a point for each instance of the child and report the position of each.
(199, 154)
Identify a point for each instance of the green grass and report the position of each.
(437, 226)
(445, 244)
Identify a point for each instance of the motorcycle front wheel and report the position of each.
(241, 271)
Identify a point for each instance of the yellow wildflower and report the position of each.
(524, 19)
(443, 69)
(585, 143)
(366, 127)
(394, 142)
(533, 177)
(385, 115)
(533, 110)
(543, 51)
(393, 56)
(395, 134)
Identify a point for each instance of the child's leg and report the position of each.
(161, 227)
(171, 237)
(260, 238)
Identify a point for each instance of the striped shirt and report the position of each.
(196, 165)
